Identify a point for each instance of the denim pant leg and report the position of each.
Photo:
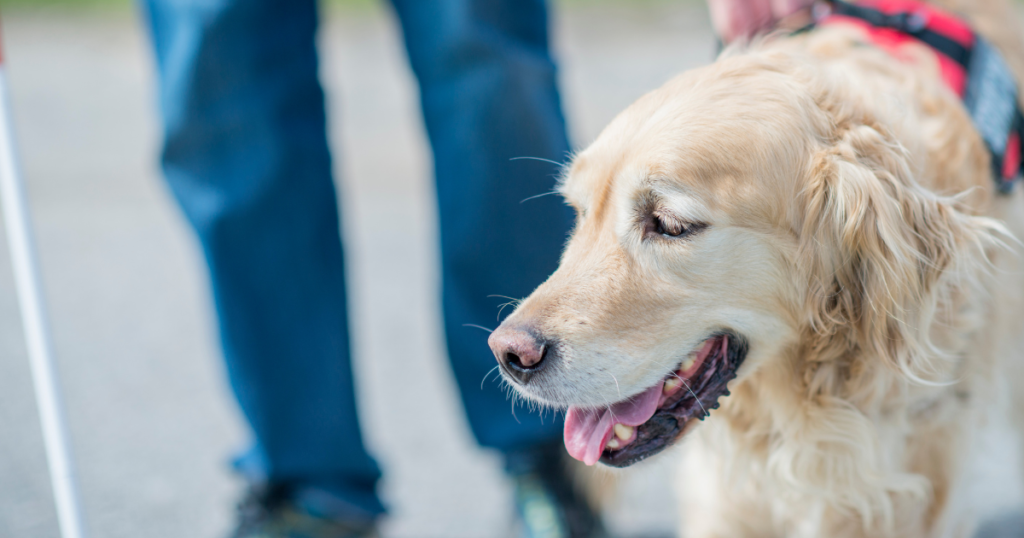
(488, 90)
(246, 156)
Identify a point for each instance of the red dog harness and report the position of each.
(970, 66)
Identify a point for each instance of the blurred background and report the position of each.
(150, 416)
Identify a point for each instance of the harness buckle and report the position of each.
(915, 22)
(912, 22)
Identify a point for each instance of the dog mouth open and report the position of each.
(645, 424)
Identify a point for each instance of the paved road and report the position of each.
(150, 417)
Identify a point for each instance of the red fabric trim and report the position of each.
(939, 21)
(1011, 161)
(893, 41)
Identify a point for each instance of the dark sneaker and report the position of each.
(549, 503)
(268, 512)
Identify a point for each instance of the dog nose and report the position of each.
(520, 352)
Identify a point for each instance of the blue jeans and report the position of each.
(246, 156)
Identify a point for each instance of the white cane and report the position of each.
(33, 315)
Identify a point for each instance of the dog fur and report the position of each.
(852, 234)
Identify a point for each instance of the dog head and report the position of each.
(744, 212)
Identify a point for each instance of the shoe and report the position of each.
(269, 512)
(549, 503)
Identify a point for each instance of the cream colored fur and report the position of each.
(855, 239)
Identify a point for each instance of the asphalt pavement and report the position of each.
(150, 416)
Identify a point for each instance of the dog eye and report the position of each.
(668, 227)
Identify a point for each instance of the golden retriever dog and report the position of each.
(794, 262)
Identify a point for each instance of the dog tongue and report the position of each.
(587, 431)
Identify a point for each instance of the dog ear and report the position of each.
(881, 251)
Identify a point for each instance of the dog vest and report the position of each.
(970, 66)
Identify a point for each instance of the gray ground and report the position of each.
(150, 417)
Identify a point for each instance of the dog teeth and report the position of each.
(688, 363)
(671, 385)
(613, 444)
(623, 432)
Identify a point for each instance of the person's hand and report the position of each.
(738, 19)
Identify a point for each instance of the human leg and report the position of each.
(246, 156)
(491, 108)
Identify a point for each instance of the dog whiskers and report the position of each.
(537, 159)
(687, 385)
(515, 400)
(502, 307)
(478, 327)
(505, 297)
(488, 374)
(538, 196)
(616, 384)
(512, 301)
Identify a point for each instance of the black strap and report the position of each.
(1019, 123)
(914, 24)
